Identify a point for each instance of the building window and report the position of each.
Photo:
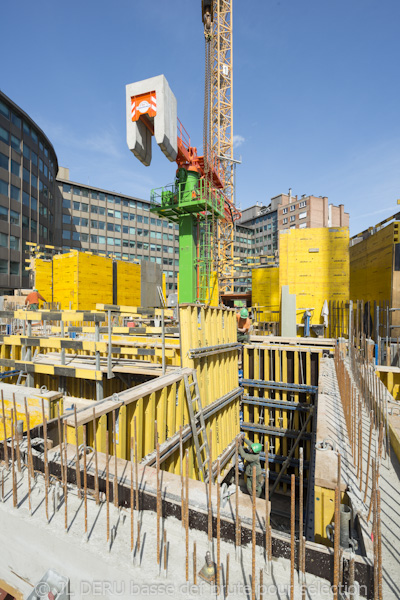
(14, 217)
(4, 110)
(4, 135)
(285, 221)
(84, 207)
(25, 199)
(14, 242)
(302, 215)
(76, 221)
(14, 268)
(3, 161)
(84, 223)
(3, 240)
(76, 236)
(292, 218)
(284, 212)
(292, 208)
(303, 204)
(15, 168)
(302, 225)
(33, 203)
(15, 143)
(3, 266)
(77, 191)
(77, 205)
(33, 225)
(3, 187)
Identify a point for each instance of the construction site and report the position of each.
(218, 442)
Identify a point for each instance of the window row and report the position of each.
(84, 192)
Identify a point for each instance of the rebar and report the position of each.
(85, 478)
(237, 539)
(227, 576)
(65, 479)
(29, 457)
(158, 490)
(218, 527)
(165, 551)
(17, 440)
(194, 564)
(107, 489)
(137, 483)
(379, 542)
(14, 483)
(187, 514)
(5, 432)
(253, 536)
(301, 525)
(46, 464)
(132, 499)
(181, 474)
(369, 455)
(336, 544)
(292, 533)
(210, 524)
(261, 584)
(77, 464)
(96, 466)
(114, 438)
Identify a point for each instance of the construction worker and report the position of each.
(32, 300)
(252, 457)
(243, 325)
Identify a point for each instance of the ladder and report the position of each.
(197, 424)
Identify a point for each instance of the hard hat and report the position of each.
(35, 289)
(256, 448)
(244, 313)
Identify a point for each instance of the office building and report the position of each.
(28, 169)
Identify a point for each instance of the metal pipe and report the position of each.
(77, 465)
(46, 464)
(96, 466)
(253, 536)
(292, 533)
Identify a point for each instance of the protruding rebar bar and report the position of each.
(77, 464)
(107, 488)
(4, 432)
(187, 513)
(46, 463)
(218, 527)
(96, 466)
(253, 535)
(85, 479)
(114, 439)
(14, 482)
(132, 499)
(292, 533)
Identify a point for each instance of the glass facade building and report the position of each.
(28, 170)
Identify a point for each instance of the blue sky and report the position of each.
(316, 91)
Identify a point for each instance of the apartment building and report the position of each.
(286, 211)
(308, 211)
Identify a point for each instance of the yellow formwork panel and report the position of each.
(43, 278)
(128, 283)
(371, 266)
(265, 292)
(314, 263)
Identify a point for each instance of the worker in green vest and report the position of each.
(252, 457)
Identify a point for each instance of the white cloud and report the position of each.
(238, 140)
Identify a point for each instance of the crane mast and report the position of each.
(218, 35)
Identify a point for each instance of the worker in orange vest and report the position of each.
(243, 325)
(32, 300)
